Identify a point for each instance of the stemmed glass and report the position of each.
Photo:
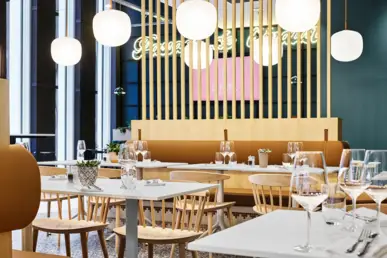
(126, 157)
(293, 147)
(143, 148)
(353, 180)
(376, 166)
(81, 148)
(227, 149)
(308, 187)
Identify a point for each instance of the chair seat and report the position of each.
(50, 197)
(260, 209)
(20, 254)
(158, 235)
(113, 202)
(208, 207)
(67, 226)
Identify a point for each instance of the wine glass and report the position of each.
(231, 149)
(136, 148)
(376, 166)
(358, 154)
(81, 148)
(353, 180)
(126, 157)
(308, 187)
(293, 147)
(143, 148)
(224, 149)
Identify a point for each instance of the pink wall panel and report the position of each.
(229, 80)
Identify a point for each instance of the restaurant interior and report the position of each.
(193, 128)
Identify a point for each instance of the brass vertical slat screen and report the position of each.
(250, 68)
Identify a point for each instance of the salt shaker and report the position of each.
(251, 161)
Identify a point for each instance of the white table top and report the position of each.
(241, 167)
(111, 188)
(274, 235)
(153, 164)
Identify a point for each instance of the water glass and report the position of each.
(129, 177)
(81, 148)
(233, 159)
(25, 145)
(219, 158)
(147, 157)
(334, 207)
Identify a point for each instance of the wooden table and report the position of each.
(275, 234)
(111, 188)
(222, 168)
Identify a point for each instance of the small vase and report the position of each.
(112, 157)
(87, 175)
(263, 159)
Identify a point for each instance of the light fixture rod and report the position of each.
(138, 9)
(66, 22)
(346, 14)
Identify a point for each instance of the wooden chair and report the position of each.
(159, 233)
(265, 185)
(212, 205)
(96, 221)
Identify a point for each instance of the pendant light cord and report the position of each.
(346, 15)
(67, 27)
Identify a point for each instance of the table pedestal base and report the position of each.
(131, 250)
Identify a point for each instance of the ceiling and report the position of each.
(228, 7)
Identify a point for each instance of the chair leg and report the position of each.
(230, 217)
(84, 245)
(150, 250)
(118, 224)
(103, 243)
(35, 235)
(60, 217)
(194, 254)
(67, 243)
(48, 209)
(182, 250)
(209, 217)
(122, 245)
(177, 225)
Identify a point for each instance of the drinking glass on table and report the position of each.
(25, 145)
(376, 170)
(293, 147)
(147, 157)
(354, 180)
(126, 157)
(233, 159)
(226, 149)
(309, 193)
(128, 177)
(334, 207)
(143, 147)
(81, 148)
(219, 158)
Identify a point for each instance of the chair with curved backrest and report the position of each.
(267, 188)
(159, 233)
(95, 221)
(212, 205)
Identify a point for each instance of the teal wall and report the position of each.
(359, 88)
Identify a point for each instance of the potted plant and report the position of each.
(122, 133)
(112, 151)
(263, 157)
(88, 172)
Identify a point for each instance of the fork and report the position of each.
(363, 235)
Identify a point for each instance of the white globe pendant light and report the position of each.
(265, 51)
(297, 15)
(66, 50)
(346, 45)
(196, 19)
(111, 27)
(195, 55)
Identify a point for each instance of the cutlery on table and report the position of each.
(363, 235)
(364, 218)
(368, 241)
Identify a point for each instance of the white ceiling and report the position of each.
(238, 19)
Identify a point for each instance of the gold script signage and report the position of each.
(137, 47)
